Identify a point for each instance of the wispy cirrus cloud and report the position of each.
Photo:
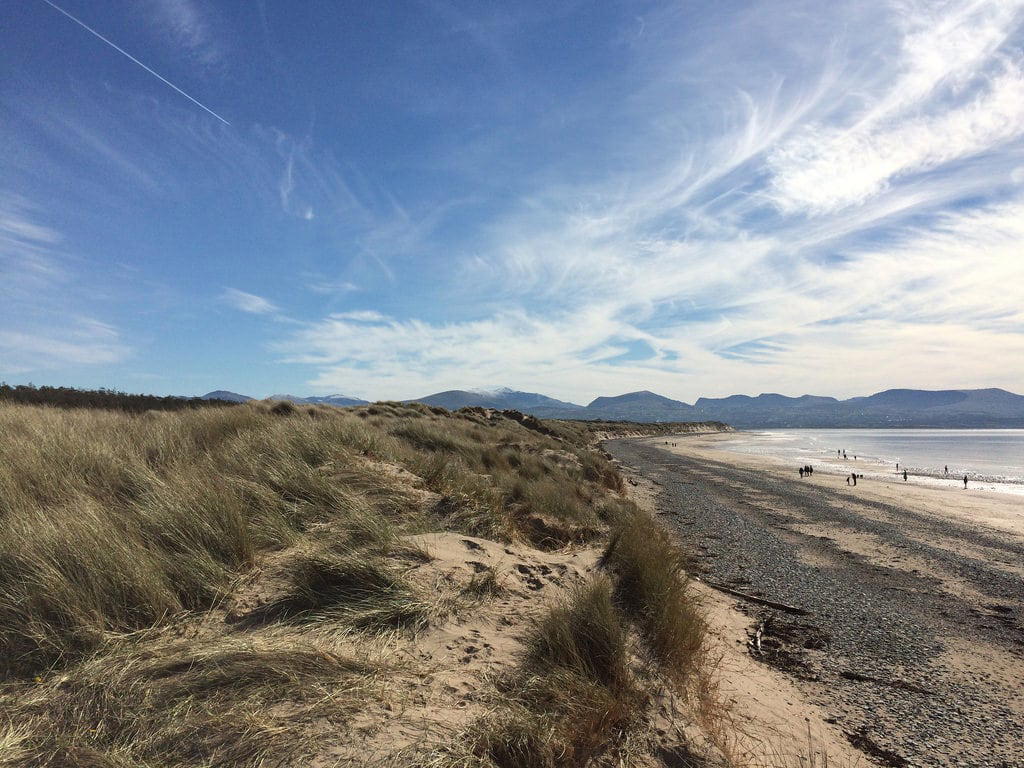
(188, 27)
(954, 94)
(717, 197)
(83, 341)
(844, 222)
(248, 302)
(321, 285)
(43, 325)
(914, 312)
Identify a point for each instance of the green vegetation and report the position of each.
(115, 522)
(574, 694)
(573, 691)
(185, 588)
(68, 397)
(653, 590)
(176, 702)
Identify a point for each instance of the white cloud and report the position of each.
(824, 168)
(317, 284)
(188, 26)
(704, 252)
(360, 316)
(788, 199)
(40, 323)
(248, 302)
(953, 94)
(83, 342)
(921, 312)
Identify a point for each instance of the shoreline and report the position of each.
(909, 626)
(766, 719)
(881, 467)
(975, 505)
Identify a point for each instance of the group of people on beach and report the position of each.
(851, 479)
(945, 471)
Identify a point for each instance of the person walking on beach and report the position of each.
(904, 475)
(853, 476)
(844, 454)
(965, 482)
(801, 473)
(946, 470)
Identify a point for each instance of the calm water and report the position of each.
(992, 458)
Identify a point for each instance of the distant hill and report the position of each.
(223, 394)
(339, 400)
(766, 400)
(501, 398)
(891, 408)
(641, 406)
(994, 408)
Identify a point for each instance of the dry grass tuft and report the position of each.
(653, 590)
(192, 703)
(573, 695)
(358, 588)
(483, 585)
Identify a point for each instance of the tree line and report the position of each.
(110, 399)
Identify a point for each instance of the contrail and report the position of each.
(162, 79)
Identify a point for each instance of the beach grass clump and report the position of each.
(596, 468)
(483, 585)
(176, 585)
(652, 588)
(359, 588)
(115, 522)
(552, 513)
(224, 701)
(573, 693)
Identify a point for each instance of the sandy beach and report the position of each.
(999, 510)
(902, 620)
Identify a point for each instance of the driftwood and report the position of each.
(894, 683)
(754, 599)
(755, 644)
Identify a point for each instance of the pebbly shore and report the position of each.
(913, 641)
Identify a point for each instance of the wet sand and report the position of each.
(908, 626)
(1000, 510)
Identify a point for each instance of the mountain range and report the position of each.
(339, 400)
(890, 408)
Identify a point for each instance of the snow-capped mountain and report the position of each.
(338, 400)
(502, 398)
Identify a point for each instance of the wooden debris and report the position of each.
(755, 599)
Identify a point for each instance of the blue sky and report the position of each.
(390, 199)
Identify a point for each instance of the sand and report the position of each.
(916, 589)
(764, 719)
(987, 508)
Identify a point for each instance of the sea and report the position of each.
(992, 459)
